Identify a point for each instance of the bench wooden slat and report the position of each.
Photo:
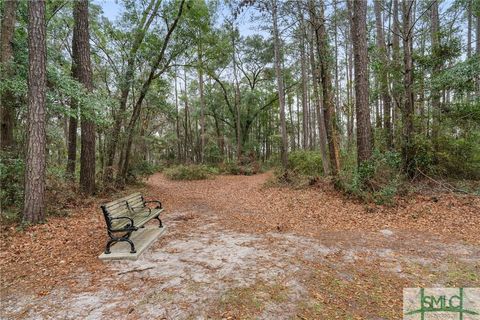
(119, 201)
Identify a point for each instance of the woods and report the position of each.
(384, 88)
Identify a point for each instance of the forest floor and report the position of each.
(235, 249)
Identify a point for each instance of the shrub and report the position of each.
(304, 169)
(306, 163)
(247, 169)
(11, 180)
(189, 172)
(378, 180)
(144, 168)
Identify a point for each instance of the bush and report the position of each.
(189, 172)
(247, 169)
(11, 180)
(144, 168)
(304, 169)
(378, 180)
(306, 163)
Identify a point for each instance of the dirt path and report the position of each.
(236, 250)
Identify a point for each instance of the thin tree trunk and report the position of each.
(177, 121)
(238, 127)
(303, 68)
(202, 105)
(126, 83)
(435, 46)
(280, 87)
(7, 98)
(396, 91)
(326, 77)
(187, 121)
(408, 108)
(34, 205)
(153, 74)
(383, 76)
(478, 51)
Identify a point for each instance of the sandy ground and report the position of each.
(209, 266)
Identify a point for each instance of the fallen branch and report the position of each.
(134, 270)
(447, 186)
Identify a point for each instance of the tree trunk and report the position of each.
(73, 120)
(383, 74)
(237, 115)
(83, 67)
(34, 205)
(408, 108)
(327, 90)
(360, 52)
(303, 67)
(396, 85)
(435, 47)
(177, 121)
(137, 108)
(280, 87)
(202, 105)
(7, 98)
(126, 82)
(478, 51)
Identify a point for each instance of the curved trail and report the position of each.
(236, 250)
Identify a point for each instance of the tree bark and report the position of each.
(408, 108)
(318, 21)
(360, 52)
(73, 120)
(435, 47)
(477, 49)
(383, 76)
(6, 105)
(202, 104)
(34, 204)
(278, 52)
(303, 67)
(397, 84)
(84, 75)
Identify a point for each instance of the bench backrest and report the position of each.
(121, 208)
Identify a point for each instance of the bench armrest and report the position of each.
(142, 207)
(132, 227)
(154, 201)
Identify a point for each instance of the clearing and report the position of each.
(235, 249)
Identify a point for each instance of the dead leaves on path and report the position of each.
(45, 255)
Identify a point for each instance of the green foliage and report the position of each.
(212, 153)
(143, 169)
(247, 168)
(459, 157)
(307, 163)
(189, 172)
(11, 179)
(378, 180)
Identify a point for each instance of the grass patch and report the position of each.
(249, 302)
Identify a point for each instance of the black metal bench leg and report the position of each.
(159, 221)
(132, 246)
(109, 243)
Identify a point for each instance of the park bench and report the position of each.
(126, 215)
